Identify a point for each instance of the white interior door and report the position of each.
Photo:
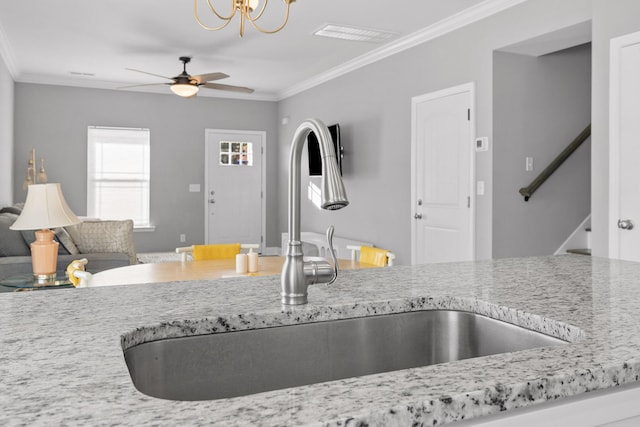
(234, 190)
(442, 171)
(624, 179)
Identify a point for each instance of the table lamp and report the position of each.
(44, 208)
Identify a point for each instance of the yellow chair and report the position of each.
(217, 251)
(368, 255)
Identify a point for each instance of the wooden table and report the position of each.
(176, 271)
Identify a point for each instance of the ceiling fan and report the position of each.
(187, 86)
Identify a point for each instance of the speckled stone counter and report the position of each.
(61, 351)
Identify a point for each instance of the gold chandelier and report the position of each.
(247, 9)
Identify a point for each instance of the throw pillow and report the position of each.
(11, 242)
(104, 237)
(65, 247)
(66, 241)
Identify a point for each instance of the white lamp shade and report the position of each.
(45, 207)
(184, 90)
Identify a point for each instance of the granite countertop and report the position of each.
(61, 351)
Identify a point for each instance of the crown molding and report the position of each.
(440, 28)
(7, 56)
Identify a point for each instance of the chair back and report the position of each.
(370, 255)
(218, 251)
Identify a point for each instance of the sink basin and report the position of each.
(231, 364)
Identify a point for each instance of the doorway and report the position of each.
(624, 150)
(442, 175)
(235, 177)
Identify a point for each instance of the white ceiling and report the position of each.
(44, 41)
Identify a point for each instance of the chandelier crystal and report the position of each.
(247, 10)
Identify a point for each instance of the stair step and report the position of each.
(579, 251)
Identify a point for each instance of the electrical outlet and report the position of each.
(183, 238)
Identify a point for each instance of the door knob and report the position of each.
(418, 216)
(625, 224)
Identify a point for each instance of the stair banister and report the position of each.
(528, 191)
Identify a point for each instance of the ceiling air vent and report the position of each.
(354, 34)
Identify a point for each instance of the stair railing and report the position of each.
(528, 191)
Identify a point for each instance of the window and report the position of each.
(236, 153)
(118, 174)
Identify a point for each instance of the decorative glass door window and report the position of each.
(236, 153)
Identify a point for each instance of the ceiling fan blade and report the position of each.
(203, 78)
(151, 74)
(149, 84)
(228, 87)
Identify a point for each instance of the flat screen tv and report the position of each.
(315, 160)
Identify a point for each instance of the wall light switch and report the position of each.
(482, 143)
(480, 188)
(194, 188)
(529, 164)
(183, 238)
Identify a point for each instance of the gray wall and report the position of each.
(54, 121)
(608, 22)
(6, 135)
(540, 104)
(373, 106)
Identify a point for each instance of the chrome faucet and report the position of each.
(298, 274)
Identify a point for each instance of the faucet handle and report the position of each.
(333, 254)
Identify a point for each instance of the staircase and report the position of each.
(579, 242)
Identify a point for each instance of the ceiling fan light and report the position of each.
(184, 89)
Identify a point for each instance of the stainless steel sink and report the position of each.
(240, 363)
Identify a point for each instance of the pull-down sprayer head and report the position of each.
(333, 196)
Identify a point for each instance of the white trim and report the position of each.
(440, 28)
(469, 88)
(144, 229)
(616, 46)
(7, 56)
(579, 230)
(263, 137)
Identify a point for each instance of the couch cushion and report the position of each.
(11, 242)
(104, 236)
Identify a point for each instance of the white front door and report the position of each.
(234, 184)
(443, 217)
(624, 145)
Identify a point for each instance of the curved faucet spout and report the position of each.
(297, 275)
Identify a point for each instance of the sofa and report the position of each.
(105, 244)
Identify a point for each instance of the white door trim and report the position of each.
(234, 132)
(615, 69)
(466, 87)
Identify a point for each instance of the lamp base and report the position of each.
(44, 279)
(44, 255)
